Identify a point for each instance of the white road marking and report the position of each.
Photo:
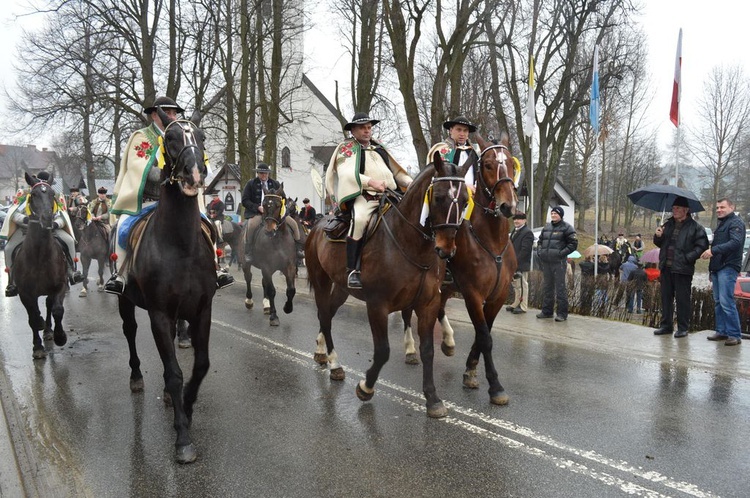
(306, 359)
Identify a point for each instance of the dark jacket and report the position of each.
(729, 240)
(523, 241)
(307, 215)
(252, 195)
(691, 243)
(556, 241)
(638, 277)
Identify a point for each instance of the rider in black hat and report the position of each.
(358, 173)
(457, 148)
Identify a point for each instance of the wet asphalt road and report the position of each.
(582, 421)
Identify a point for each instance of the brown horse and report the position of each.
(483, 266)
(273, 250)
(93, 245)
(400, 269)
(174, 277)
(39, 268)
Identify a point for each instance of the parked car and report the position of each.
(742, 298)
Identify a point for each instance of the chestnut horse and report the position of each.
(273, 250)
(174, 276)
(93, 245)
(400, 268)
(39, 267)
(483, 266)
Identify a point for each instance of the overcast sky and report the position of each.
(713, 33)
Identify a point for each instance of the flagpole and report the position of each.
(529, 132)
(674, 109)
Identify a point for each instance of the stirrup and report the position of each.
(223, 279)
(353, 281)
(76, 277)
(115, 285)
(11, 290)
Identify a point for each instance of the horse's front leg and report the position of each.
(498, 396)
(448, 346)
(36, 322)
(86, 264)
(200, 332)
(163, 330)
(247, 270)
(100, 282)
(378, 318)
(269, 293)
(129, 329)
(55, 306)
(426, 316)
(48, 332)
(290, 273)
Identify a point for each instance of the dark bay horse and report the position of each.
(484, 263)
(400, 269)
(93, 245)
(174, 276)
(273, 250)
(39, 267)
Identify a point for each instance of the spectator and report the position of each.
(652, 272)
(556, 241)
(638, 246)
(523, 240)
(637, 280)
(626, 268)
(726, 258)
(681, 241)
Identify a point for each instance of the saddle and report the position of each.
(337, 226)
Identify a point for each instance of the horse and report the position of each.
(40, 267)
(93, 245)
(233, 239)
(482, 245)
(273, 250)
(400, 269)
(173, 276)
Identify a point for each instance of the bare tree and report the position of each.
(723, 113)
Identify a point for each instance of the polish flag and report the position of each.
(674, 110)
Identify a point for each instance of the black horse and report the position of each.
(93, 245)
(174, 276)
(39, 268)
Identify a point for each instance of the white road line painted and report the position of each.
(306, 359)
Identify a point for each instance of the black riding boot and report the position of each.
(74, 276)
(353, 261)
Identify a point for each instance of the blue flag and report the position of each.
(594, 106)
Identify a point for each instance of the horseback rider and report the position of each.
(137, 186)
(99, 210)
(457, 148)
(358, 173)
(215, 211)
(308, 213)
(252, 200)
(75, 201)
(14, 230)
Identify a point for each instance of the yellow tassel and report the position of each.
(469, 205)
(162, 153)
(283, 208)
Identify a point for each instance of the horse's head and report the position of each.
(41, 204)
(184, 154)
(274, 209)
(446, 197)
(81, 217)
(495, 180)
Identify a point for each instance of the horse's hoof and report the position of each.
(267, 311)
(39, 354)
(185, 454)
(338, 374)
(500, 398)
(61, 339)
(438, 410)
(183, 343)
(288, 308)
(321, 358)
(470, 379)
(83, 293)
(362, 394)
(100, 287)
(274, 321)
(249, 304)
(412, 359)
(136, 385)
(447, 350)
(48, 335)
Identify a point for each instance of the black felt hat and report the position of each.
(360, 118)
(462, 121)
(164, 103)
(263, 168)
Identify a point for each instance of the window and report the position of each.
(286, 161)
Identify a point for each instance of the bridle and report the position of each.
(500, 155)
(283, 213)
(189, 142)
(455, 214)
(34, 217)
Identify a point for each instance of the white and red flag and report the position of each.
(674, 110)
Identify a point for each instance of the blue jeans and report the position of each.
(727, 318)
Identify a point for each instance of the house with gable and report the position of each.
(15, 160)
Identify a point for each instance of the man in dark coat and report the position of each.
(308, 213)
(523, 241)
(726, 260)
(557, 240)
(681, 241)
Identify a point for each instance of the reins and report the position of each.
(189, 142)
(489, 209)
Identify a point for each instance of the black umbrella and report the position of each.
(660, 197)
